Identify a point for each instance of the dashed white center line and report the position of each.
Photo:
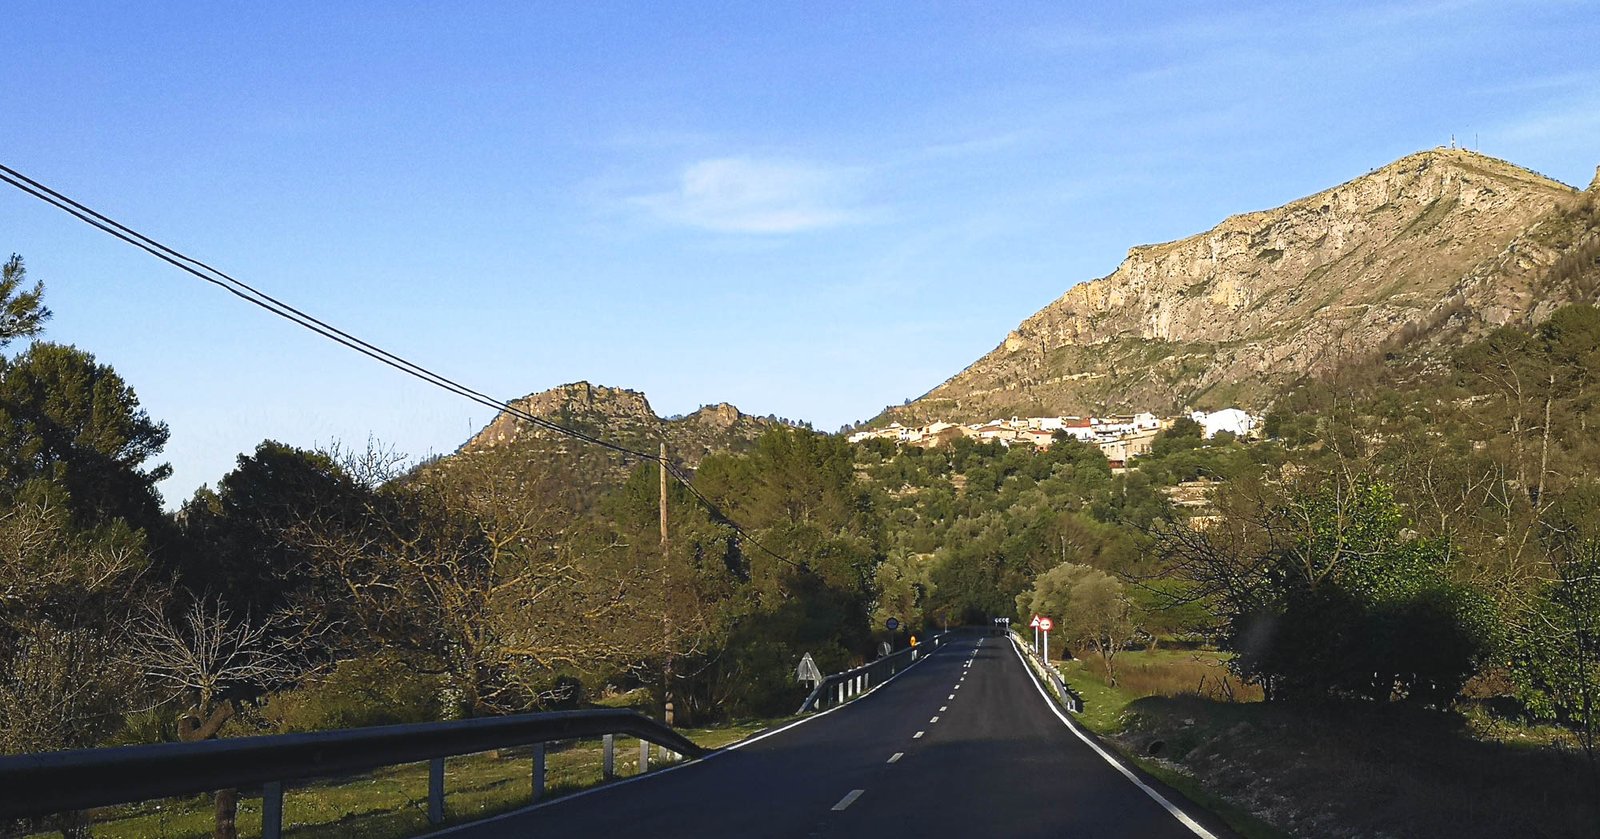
(943, 708)
(917, 736)
(896, 756)
(848, 799)
(951, 696)
(958, 687)
(935, 719)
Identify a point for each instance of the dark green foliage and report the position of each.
(238, 538)
(1352, 606)
(382, 689)
(70, 420)
(1184, 433)
(22, 311)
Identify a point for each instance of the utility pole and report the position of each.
(669, 715)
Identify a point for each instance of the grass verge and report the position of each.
(1341, 769)
(392, 803)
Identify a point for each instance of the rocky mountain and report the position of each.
(617, 415)
(1432, 246)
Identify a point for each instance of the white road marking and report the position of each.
(848, 799)
(896, 756)
(951, 696)
(958, 687)
(935, 719)
(676, 767)
(944, 707)
(917, 736)
(1177, 813)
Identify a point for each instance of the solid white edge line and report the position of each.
(1176, 811)
(656, 773)
(848, 799)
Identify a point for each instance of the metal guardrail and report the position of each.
(57, 782)
(1064, 694)
(842, 687)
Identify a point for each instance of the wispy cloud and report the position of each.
(1574, 119)
(745, 195)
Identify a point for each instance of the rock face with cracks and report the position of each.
(1441, 239)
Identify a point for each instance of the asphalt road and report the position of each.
(962, 744)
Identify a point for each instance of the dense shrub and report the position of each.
(377, 690)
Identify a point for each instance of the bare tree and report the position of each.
(210, 660)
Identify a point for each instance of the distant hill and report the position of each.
(518, 448)
(1435, 247)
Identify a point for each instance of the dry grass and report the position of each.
(1202, 673)
(1336, 769)
(1363, 769)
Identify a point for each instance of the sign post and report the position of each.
(1035, 624)
(1045, 625)
(808, 671)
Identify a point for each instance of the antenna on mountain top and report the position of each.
(1452, 141)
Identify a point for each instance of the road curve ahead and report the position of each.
(962, 744)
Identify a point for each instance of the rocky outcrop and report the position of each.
(624, 417)
(1229, 315)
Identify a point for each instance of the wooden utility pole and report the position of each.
(669, 716)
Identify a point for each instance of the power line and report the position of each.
(261, 299)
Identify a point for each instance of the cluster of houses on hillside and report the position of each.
(1120, 438)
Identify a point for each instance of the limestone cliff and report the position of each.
(1230, 314)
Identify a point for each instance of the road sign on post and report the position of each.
(808, 670)
(1045, 625)
(1035, 624)
(892, 624)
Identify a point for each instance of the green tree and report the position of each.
(1325, 591)
(1184, 433)
(245, 542)
(1089, 607)
(68, 419)
(22, 310)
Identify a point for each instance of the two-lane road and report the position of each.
(963, 744)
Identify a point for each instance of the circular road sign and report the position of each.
(892, 623)
(1046, 624)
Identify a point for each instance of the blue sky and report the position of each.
(808, 209)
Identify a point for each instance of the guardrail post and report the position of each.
(436, 791)
(609, 767)
(644, 756)
(272, 810)
(538, 771)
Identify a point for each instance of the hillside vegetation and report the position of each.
(1416, 534)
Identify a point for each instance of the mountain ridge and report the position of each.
(511, 446)
(1442, 236)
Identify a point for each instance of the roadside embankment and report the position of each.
(1342, 769)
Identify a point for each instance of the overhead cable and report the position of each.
(256, 297)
